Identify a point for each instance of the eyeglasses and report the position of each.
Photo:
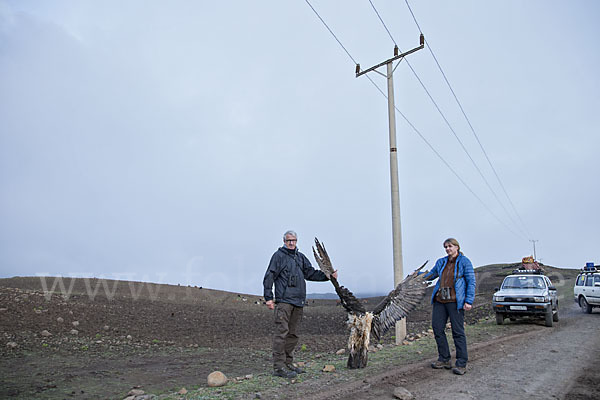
(291, 240)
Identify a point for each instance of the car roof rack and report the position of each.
(590, 267)
(528, 271)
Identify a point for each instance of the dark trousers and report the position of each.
(439, 318)
(287, 321)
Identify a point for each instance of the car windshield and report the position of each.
(523, 282)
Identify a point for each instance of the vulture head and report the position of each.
(372, 325)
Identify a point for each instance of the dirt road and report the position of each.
(543, 363)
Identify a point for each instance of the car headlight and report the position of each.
(498, 298)
(541, 299)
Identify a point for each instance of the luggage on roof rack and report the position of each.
(529, 264)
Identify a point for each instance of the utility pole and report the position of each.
(396, 230)
(533, 241)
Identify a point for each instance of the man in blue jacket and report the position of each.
(288, 270)
(453, 293)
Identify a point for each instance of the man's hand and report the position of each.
(270, 305)
(468, 306)
(334, 274)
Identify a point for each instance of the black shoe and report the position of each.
(297, 370)
(441, 364)
(459, 370)
(284, 373)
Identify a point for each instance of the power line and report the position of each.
(448, 122)
(381, 19)
(468, 122)
(411, 125)
(413, 15)
(462, 145)
(330, 31)
(445, 162)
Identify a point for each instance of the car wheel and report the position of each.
(585, 307)
(549, 317)
(555, 316)
(499, 318)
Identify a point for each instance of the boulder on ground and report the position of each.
(403, 394)
(45, 333)
(60, 320)
(216, 378)
(340, 352)
(329, 368)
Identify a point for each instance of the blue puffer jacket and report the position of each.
(464, 279)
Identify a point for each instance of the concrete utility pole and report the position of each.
(533, 241)
(396, 230)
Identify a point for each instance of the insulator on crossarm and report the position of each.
(357, 68)
(395, 50)
(422, 40)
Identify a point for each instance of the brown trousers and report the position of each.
(287, 321)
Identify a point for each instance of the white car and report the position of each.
(587, 288)
(526, 293)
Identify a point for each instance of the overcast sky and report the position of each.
(175, 141)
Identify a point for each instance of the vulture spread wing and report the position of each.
(399, 303)
(350, 303)
(366, 325)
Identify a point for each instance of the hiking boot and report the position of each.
(284, 373)
(297, 370)
(459, 370)
(441, 364)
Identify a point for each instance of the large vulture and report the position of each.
(364, 325)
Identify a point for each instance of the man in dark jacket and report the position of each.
(288, 270)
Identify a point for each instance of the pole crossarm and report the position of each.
(381, 64)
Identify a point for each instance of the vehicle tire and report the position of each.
(585, 307)
(499, 318)
(555, 315)
(549, 317)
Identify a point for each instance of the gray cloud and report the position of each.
(176, 143)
